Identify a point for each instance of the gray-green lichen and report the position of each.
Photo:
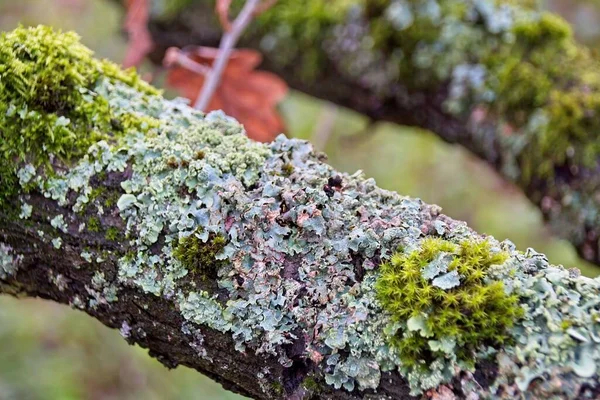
(526, 94)
(299, 254)
(9, 262)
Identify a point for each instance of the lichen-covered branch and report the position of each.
(501, 77)
(258, 264)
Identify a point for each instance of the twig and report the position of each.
(228, 42)
(174, 56)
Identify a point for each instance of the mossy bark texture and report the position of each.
(502, 78)
(258, 264)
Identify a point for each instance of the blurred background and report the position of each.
(51, 352)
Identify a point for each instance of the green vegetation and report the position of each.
(93, 224)
(112, 233)
(199, 257)
(441, 291)
(48, 107)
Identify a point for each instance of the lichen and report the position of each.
(59, 223)
(26, 210)
(526, 93)
(294, 255)
(57, 242)
(9, 262)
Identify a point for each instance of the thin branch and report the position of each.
(228, 42)
(175, 56)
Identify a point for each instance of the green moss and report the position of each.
(474, 312)
(111, 199)
(96, 192)
(199, 257)
(112, 233)
(277, 388)
(287, 169)
(311, 384)
(93, 224)
(48, 106)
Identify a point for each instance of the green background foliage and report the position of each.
(51, 352)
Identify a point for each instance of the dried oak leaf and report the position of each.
(136, 26)
(248, 95)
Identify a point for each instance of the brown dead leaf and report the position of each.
(248, 95)
(136, 26)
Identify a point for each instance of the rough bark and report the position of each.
(509, 84)
(258, 264)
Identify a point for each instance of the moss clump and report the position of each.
(311, 385)
(287, 169)
(112, 233)
(93, 224)
(47, 101)
(277, 388)
(199, 257)
(444, 288)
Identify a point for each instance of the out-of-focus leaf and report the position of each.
(248, 95)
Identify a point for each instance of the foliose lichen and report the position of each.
(297, 259)
(9, 262)
(525, 91)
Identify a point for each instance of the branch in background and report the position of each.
(258, 264)
(506, 81)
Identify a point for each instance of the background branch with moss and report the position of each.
(506, 80)
(258, 264)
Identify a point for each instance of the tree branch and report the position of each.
(506, 82)
(258, 264)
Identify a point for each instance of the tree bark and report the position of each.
(261, 266)
(511, 86)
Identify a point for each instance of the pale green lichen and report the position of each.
(101, 291)
(296, 259)
(9, 262)
(59, 223)
(57, 242)
(511, 73)
(26, 210)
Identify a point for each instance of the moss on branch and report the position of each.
(48, 103)
(296, 268)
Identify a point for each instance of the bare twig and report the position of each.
(228, 42)
(175, 56)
